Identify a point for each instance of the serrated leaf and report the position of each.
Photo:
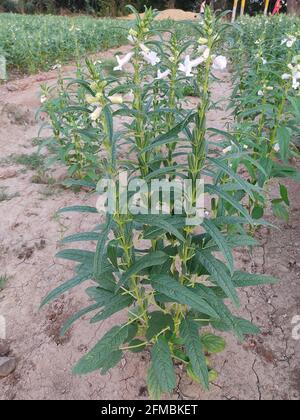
(100, 354)
(220, 240)
(153, 385)
(116, 304)
(219, 273)
(212, 343)
(162, 365)
(243, 279)
(182, 294)
(78, 255)
(194, 350)
(68, 324)
(101, 249)
(63, 288)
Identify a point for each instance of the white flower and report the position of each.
(289, 41)
(260, 93)
(56, 67)
(220, 63)
(264, 61)
(227, 150)
(277, 147)
(295, 84)
(144, 48)
(246, 147)
(188, 64)
(270, 88)
(294, 75)
(96, 114)
(116, 99)
(186, 67)
(123, 61)
(151, 57)
(43, 99)
(163, 75)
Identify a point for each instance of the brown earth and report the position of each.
(264, 367)
(174, 14)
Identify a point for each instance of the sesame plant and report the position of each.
(172, 273)
(265, 106)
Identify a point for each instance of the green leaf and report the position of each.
(194, 349)
(101, 353)
(284, 194)
(213, 189)
(112, 361)
(60, 290)
(116, 304)
(245, 185)
(257, 212)
(158, 322)
(78, 255)
(219, 273)
(212, 343)
(284, 139)
(79, 237)
(78, 209)
(150, 260)
(280, 211)
(154, 389)
(171, 136)
(219, 239)
(182, 294)
(162, 223)
(247, 327)
(162, 366)
(101, 250)
(242, 279)
(78, 315)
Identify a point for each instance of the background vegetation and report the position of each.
(117, 7)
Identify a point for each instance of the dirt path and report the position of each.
(265, 367)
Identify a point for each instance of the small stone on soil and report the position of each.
(7, 366)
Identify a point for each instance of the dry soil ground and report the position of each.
(264, 367)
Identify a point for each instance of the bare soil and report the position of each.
(173, 14)
(263, 368)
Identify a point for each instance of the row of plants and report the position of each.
(265, 104)
(174, 275)
(33, 43)
(30, 44)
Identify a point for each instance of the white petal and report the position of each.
(96, 114)
(220, 63)
(277, 147)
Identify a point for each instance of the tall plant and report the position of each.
(171, 273)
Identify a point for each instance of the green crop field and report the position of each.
(33, 43)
